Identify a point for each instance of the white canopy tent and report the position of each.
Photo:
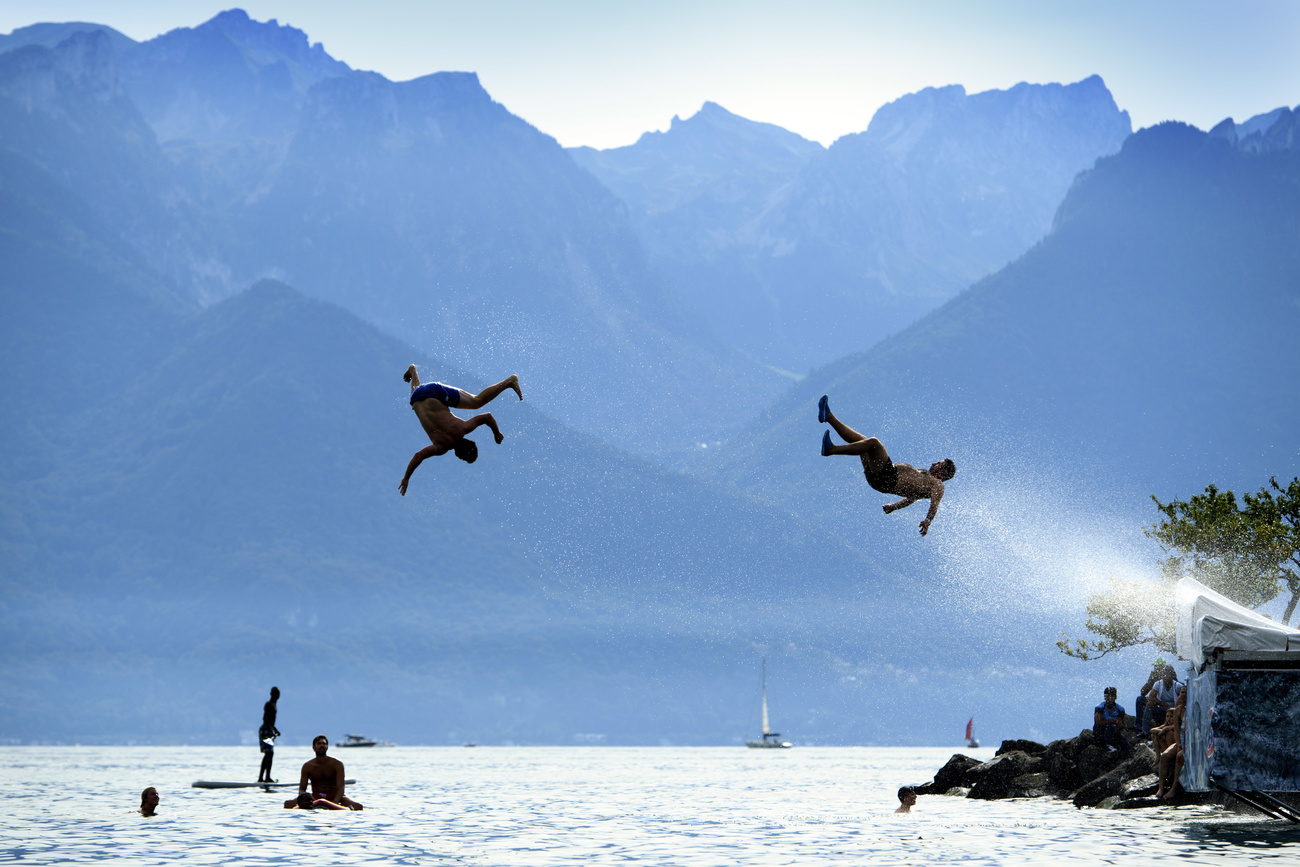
(1207, 620)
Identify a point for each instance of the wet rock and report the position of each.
(1032, 748)
(1096, 761)
(949, 775)
(1112, 783)
(958, 791)
(1034, 785)
(1108, 803)
(992, 780)
(1140, 787)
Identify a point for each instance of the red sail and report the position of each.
(969, 723)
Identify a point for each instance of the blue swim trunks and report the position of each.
(438, 391)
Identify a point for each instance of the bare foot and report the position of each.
(402, 487)
(1160, 793)
(513, 382)
(888, 508)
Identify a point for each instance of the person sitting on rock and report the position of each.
(1171, 757)
(1161, 698)
(1108, 722)
(1140, 706)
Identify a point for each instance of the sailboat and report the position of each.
(971, 743)
(771, 740)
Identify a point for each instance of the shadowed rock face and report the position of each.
(1074, 768)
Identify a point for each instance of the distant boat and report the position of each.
(771, 740)
(363, 741)
(971, 743)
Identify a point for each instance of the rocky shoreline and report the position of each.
(1079, 769)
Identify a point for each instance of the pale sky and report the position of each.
(601, 72)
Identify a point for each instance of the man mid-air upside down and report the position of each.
(883, 474)
(432, 404)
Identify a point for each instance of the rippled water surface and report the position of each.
(539, 806)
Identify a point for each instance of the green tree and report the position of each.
(1249, 553)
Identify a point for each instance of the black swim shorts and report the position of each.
(885, 479)
(438, 391)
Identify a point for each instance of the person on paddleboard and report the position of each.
(325, 775)
(903, 480)
(266, 735)
(433, 404)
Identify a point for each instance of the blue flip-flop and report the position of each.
(826, 444)
(823, 410)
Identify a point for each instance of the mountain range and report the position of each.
(800, 254)
(198, 481)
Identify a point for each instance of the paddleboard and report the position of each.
(222, 784)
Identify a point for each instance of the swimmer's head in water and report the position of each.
(466, 450)
(410, 372)
(305, 802)
(906, 794)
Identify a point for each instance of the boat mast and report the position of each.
(766, 730)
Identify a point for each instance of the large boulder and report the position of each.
(1111, 784)
(1036, 785)
(993, 779)
(949, 776)
(1032, 748)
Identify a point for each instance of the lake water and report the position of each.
(540, 806)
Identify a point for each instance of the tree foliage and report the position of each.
(1249, 553)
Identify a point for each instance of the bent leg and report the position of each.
(487, 395)
(848, 434)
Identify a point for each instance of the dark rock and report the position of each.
(949, 776)
(992, 780)
(1111, 784)
(1140, 787)
(1096, 761)
(1032, 748)
(1034, 785)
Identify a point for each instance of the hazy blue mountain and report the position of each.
(433, 212)
(230, 519)
(697, 190)
(229, 79)
(423, 206)
(1141, 348)
(801, 267)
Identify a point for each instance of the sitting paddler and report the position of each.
(325, 774)
(903, 480)
(433, 403)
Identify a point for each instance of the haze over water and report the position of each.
(565, 805)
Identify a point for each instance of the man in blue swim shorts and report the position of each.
(432, 404)
(883, 474)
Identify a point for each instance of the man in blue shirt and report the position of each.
(1108, 722)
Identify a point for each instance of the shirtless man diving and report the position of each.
(432, 404)
(882, 473)
(325, 774)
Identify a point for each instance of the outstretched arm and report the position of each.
(485, 419)
(935, 497)
(900, 504)
(416, 460)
